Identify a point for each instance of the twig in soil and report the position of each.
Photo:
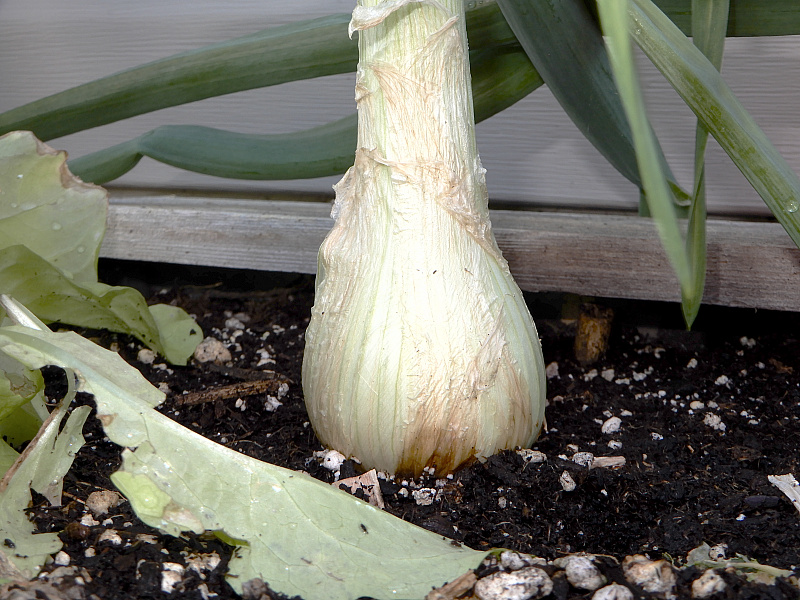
(455, 589)
(229, 392)
(245, 374)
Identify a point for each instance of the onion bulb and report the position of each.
(420, 352)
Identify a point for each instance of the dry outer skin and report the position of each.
(420, 351)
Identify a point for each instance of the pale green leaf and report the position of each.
(709, 25)
(50, 295)
(21, 425)
(7, 456)
(18, 385)
(56, 458)
(43, 207)
(51, 228)
(300, 535)
(46, 459)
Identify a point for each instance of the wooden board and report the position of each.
(750, 264)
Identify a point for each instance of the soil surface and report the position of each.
(695, 422)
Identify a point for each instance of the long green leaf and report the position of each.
(501, 77)
(705, 92)
(303, 50)
(709, 23)
(613, 16)
(747, 17)
(298, 51)
(287, 53)
(564, 42)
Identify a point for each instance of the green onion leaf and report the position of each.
(614, 20)
(500, 77)
(701, 86)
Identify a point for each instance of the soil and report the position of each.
(702, 419)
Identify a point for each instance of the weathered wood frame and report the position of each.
(750, 264)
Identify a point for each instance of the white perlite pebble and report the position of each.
(271, 404)
(234, 324)
(614, 591)
(581, 572)
(708, 584)
(62, 559)
(692, 363)
(212, 350)
(714, 421)
(608, 462)
(584, 459)
(611, 425)
(532, 456)
(330, 459)
(265, 358)
(529, 583)
(200, 563)
(89, 521)
(424, 496)
(747, 342)
(718, 552)
(101, 502)
(722, 380)
(551, 370)
(111, 536)
(607, 374)
(171, 576)
(653, 576)
(146, 356)
(514, 561)
(567, 482)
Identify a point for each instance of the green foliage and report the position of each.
(499, 79)
(301, 535)
(696, 78)
(560, 40)
(46, 461)
(51, 227)
(701, 86)
(564, 41)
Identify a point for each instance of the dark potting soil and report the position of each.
(696, 422)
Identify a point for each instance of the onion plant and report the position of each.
(420, 352)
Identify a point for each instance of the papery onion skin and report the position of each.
(420, 351)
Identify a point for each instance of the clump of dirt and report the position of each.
(665, 443)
